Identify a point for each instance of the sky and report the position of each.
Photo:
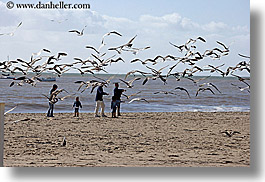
(156, 23)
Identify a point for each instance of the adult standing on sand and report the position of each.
(51, 101)
(117, 95)
(99, 101)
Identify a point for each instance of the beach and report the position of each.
(148, 139)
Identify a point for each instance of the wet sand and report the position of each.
(174, 139)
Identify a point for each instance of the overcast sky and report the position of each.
(155, 22)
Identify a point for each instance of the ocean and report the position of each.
(30, 99)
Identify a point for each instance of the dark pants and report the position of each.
(50, 111)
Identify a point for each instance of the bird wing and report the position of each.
(124, 82)
(90, 47)
(131, 81)
(222, 44)
(10, 110)
(201, 39)
(215, 87)
(244, 56)
(76, 31)
(114, 32)
(209, 90)
(145, 80)
(131, 40)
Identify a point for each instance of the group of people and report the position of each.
(115, 102)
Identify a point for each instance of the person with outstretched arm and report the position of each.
(99, 101)
(117, 94)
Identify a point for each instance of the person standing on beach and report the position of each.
(117, 94)
(76, 105)
(99, 101)
(52, 101)
(113, 107)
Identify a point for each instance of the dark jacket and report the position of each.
(117, 93)
(100, 93)
(77, 104)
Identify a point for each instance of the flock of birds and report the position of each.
(45, 61)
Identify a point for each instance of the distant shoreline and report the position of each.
(119, 74)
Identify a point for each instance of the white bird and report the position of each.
(181, 88)
(39, 53)
(79, 33)
(10, 110)
(13, 32)
(138, 99)
(130, 83)
(129, 96)
(109, 33)
(64, 142)
(210, 84)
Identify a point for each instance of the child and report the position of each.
(77, 104)
(114, 106)
(52, 101)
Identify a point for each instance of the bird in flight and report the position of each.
(13, 32)
(138, 99)
(79, 33)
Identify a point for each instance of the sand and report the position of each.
(132, 140)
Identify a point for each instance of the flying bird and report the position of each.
(13, 32)
(203, 89)
(211, 84)
(109, 33)
(130, 83)
(183, 89)
(10, 110)
(138, 99)
(79, 33)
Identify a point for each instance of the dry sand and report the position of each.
(134, 139)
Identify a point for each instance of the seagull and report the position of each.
(129, 96)
(116, 60)
(194, 40)
(138, 99)
(82, 83)
(90, 47)
(210, 84)
(136, 50)
(109, 33)
(241, 88)
(79, 33)
(196, 81)
(61, 54)
(10, 110)
(181, 88)
(12, 33)
(181, 47)
(204, 89)
(127, 45)
(130, 83)
(230, 133)
(244, 56)
(148, 78)
(64, 142)
(241, 79)
(62, 98)
(39, 53)
(164, 92)
(134, 71)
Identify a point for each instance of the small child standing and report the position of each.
(114, 107)
(77, 104)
